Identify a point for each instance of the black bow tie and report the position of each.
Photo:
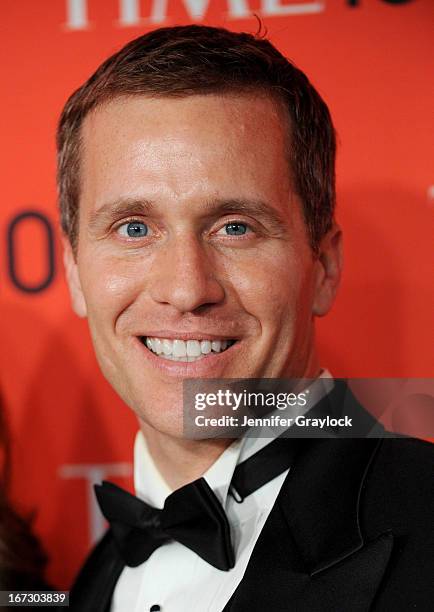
(192, 515)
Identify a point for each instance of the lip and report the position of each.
(210, 366)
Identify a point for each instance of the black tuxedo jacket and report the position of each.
(351, 530)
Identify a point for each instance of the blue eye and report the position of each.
(236, 229)
(133, 229)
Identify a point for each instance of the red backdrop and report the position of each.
(369, 58)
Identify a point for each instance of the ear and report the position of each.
(72, 278)
(329, 268)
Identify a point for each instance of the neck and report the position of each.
(307, 365)
(181, 461)
(312, 368)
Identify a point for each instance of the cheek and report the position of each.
(273, 286)
(109, 288)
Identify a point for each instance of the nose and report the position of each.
(184, 276)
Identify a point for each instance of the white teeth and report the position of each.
(205, 347)
(193, 348)
(216, 346)
(179, 348)
(190, 350)
(189, 359)
(167, 347)
(158, 346)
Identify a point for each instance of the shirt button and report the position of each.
(155, 608)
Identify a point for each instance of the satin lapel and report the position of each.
(321, 500)
(274, 580)
(311, 554)
(94, 586)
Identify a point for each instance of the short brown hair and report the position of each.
(193, 59)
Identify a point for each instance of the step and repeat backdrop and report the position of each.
(370, 59)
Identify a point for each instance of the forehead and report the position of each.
(182, 145)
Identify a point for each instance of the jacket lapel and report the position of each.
(321, 502)
(311, 555)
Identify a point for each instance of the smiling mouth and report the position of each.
(185, 350)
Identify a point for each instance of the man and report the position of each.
(196, 175)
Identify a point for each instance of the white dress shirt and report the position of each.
(176, 578)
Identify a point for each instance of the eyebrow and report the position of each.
(128, 207)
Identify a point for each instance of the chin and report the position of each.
(166, 417)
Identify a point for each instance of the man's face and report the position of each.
(193, 257)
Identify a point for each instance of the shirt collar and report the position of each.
(151, 487)
(149, 484)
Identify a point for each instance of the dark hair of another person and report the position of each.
(22, 560)
(190, 60)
